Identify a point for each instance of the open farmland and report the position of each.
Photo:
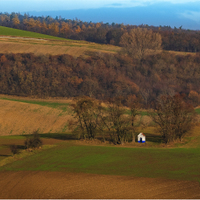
(72, 170)
(69, 168)
(23, 116)
(18, 41)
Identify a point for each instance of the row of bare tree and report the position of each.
(174, 119)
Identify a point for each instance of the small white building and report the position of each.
(141, 138)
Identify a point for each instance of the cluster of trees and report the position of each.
(31, 142)
(110, 122)
(174, 117)
(176, 39)
(172, 114)
(101, 76)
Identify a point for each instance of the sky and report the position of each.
(49, 5)
(185, 13)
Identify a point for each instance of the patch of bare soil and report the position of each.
(59, 185)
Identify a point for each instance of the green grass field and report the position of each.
(62, 106)
(176, 163)
(5, 31)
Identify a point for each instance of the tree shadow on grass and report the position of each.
(58, 136)
(154, 138)
(20, 147)
(2, 155)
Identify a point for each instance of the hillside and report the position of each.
(77, 68)
(5, 31)
(18, 41)
(174, 39)
(23, 115)
(19, 116)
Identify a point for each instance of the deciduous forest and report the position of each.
(101, 76)
(176, 39)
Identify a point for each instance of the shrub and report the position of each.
(33, 141)
(14, 149)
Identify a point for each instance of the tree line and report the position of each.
(176, 39)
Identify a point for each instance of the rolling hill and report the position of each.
(5, 31)
(18, 41)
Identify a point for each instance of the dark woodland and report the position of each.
(101, 76)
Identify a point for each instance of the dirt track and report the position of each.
(60, 185)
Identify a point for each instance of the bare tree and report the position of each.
(92, 118)
(134, 104)
(115, 122)
(86, 118)
(119, 125)
(173, 116)
(137, 42)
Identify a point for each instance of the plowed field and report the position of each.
(58, 185)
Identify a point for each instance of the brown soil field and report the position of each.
(59, 185)
(74, 48)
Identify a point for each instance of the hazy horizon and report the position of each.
(185, 13)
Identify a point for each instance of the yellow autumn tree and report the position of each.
(15, 20)
(140, 41)
(64, 29)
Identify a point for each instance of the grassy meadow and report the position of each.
(5, 31)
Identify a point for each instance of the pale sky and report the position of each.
(45, 5)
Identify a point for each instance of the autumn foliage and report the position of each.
(176, 39)
(100, 76)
